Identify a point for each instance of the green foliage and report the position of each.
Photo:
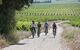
(75, 23)
(7, 21)
(51, 13)
(15, 4)
(26, 24)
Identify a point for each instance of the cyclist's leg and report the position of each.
(35, 30)
(38, 32)
(54, 33)
(45, 31)
(33, 33)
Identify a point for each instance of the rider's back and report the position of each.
(54, 26)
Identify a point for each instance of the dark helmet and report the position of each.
(32, 21)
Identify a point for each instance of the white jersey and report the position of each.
(33, 25)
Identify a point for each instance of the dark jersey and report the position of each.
(54, 26)
(39, 25)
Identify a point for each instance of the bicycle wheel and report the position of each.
(54, 33)
(33, 33)
(46, 31)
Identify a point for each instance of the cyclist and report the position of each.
(33, 28)
(39, 29)
(54, 29)
(46, 28)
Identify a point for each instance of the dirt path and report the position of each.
(42, 43)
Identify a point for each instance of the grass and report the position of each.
(13, 39)
(3, 42)
(71, 37)
(23, 34)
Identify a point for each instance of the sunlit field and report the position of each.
(49, 12)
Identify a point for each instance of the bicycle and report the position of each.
(46, 31)
(54, 32)
(33, 32)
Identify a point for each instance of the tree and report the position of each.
(7, 14)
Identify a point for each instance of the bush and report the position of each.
(25, 23)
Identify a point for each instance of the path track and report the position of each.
(42, 43)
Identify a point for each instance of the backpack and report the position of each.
(46, 25)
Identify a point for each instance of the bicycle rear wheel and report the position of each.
(54, 33)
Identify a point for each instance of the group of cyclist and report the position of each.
(46, 26)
